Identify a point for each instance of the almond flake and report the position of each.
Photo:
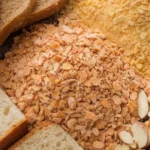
(126, 137)
(139, 135)
(143, 106)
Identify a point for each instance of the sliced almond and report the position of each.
(148, 144)
(148, 98)
(147, 124)
(127, 126)
(122, 147)
(126, 137)
(134, 145)
(118, 147)
(139, 135)
(143, 107)
(125, 147)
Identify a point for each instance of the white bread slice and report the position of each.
(13, 124)
(12, 14)
(44, 9)
(46, 136)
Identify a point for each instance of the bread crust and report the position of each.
(16, 23)
(27, 17)
(42, 125)
(14, 134)
(48, 11)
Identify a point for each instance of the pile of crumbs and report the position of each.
(75, 77)
(125, 22)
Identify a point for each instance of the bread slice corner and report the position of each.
(12, 15)
(44, 9)
(47, 136)
(13, 124)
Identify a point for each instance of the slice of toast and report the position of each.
(13, 124)
(46, 136)
(44, 9)
(12, 14)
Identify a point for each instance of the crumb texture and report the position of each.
(74, 76)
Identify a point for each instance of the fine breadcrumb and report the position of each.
(73, 76)
(125, 22)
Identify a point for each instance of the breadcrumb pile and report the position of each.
(75, 77)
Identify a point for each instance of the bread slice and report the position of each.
(44, 9)
(46, 136)
(13, 124)
(12, 14)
